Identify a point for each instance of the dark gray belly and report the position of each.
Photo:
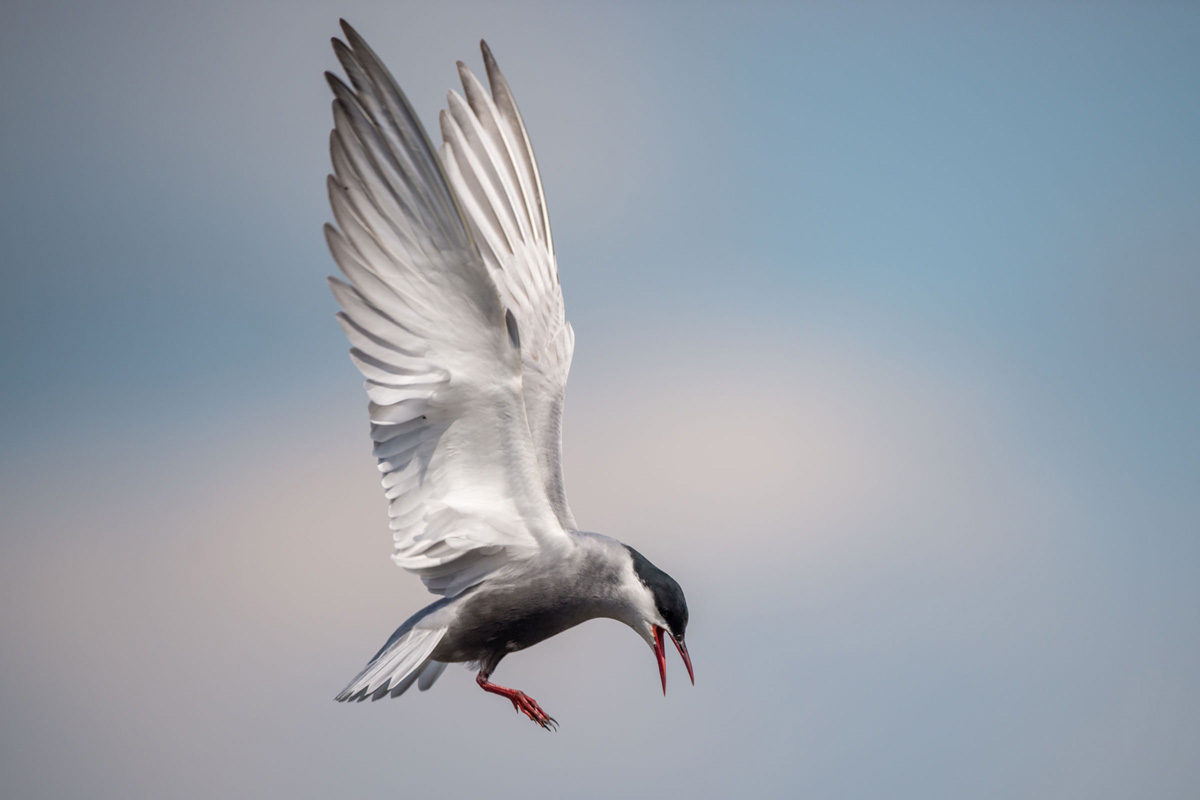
(501, 620)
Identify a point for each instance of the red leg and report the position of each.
(521, 701)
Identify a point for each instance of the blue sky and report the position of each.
(888, 348)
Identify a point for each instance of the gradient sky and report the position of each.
(888, 349)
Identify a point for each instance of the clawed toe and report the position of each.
(521, 702)
(527, 705)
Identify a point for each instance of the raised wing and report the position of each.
(431, 336)
(490, 163)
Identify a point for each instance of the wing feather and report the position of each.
(489, 162)
(427, 328)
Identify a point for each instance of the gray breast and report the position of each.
(503, 618)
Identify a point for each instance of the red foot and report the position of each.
(521, 702)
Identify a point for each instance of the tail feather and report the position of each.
(433, 670)
(402, 660)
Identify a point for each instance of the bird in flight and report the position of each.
(455, 316)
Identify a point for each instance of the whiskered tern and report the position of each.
(453, 308)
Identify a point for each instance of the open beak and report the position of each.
(661, 655)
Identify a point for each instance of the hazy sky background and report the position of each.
(888, 349)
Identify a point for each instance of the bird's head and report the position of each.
(664, 613)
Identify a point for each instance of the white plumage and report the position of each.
(425, 311)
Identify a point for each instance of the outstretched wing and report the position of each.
(490, 163)
(440, 355)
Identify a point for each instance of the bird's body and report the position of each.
(510, 614)
(506, 614)
(456, 318)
